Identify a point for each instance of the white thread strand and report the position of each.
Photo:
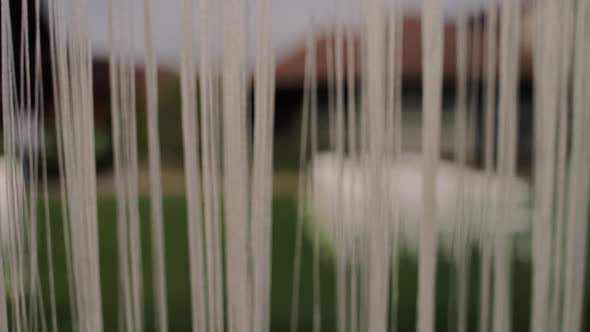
(302, 181)
(460, 242)
(211, 220)
(378, 249)
(339, 146)
(507, 124)
(432, 43)
(490, 70)
(578, 182)
(191, 169)
(235, 166)
(158, 244)
(261, 204)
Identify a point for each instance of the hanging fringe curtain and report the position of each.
(382, 237)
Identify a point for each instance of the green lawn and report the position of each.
(283, 243)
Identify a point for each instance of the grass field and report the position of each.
(283, 244)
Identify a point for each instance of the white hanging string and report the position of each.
(432, 48)
(262, 171)
(23, 119)
(209, 158)
(235, 168)
(460, 243)
(126, 163)
(507, 129)
(546, 136)
(77, 144)
(378, 246)
(191, 169)
(40, 94)
(18, 203)
(158, 244)
(314, 137)
(567, 21)
(55, 41)
(24, 123)
(578, 181)
(7, 110)
(339, 147)
(48, 233)
(489, 114)
(353, 154)
(303, 180)
(37, 150)
(395, 42)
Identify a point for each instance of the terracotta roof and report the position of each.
(289, 71)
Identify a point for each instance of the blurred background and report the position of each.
(291, 20)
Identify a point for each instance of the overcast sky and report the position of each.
(290, 21)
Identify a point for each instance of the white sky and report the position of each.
(290, 21)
